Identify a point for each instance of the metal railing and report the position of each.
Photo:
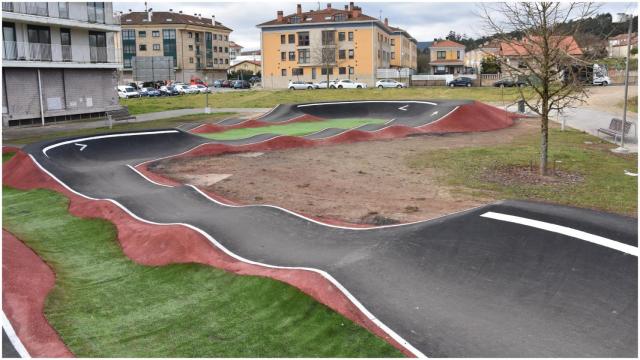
(37, 8)
(25, 51)
(7, 6)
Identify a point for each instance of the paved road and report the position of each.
(509, 279)
(8, 351)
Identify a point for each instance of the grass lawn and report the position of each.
(7, 156)
(268, 98)
(632, 104)
(105, 305)
(293, 129)
(132, 126)
(603, 184)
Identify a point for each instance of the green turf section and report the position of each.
(105, 305)
(604, 185)
(7, 156)
(118, 126)
(268, 99)
(293, 129)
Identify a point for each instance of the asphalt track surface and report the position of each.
(509, 279)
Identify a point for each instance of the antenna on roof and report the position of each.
(145, 7)
(318, 5)
(380, 16)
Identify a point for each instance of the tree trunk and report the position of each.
(544, 143)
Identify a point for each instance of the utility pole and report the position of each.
(622, 149)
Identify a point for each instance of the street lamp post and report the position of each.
(624, 17)
(207, 109)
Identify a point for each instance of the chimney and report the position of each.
(149, 14)
(171, 10)
(180, 12)
(280, 17)
(328, 5)
(356, 12)
(299, 9)
(346, 7)
(213, 19)
(351, 6)
(386, 22)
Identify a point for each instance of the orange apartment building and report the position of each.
(343, 43)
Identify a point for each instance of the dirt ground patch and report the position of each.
(609, 98)
(365, 182)
(529, 175)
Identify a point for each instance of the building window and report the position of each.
(190, 60)
(142, 47)
(155, 33)
(128, 46)
(215, 61)
(292, 38)
(226, 50)
(226, 61)
(169, 44)
(351, 54)
(294, 20)
(98, 46)
(65, 42)
(303, 38)
(393, 55)
(393, 42)
(283, 56)
(215, 36)
(219, 48)
(350, 36)
(142, 34)
(215, 49)
(95, 12)
(342, 54)
(325, 70)
(340, 17)
(156, 47)
(304, 56)
(441, 55)
(328, 37)
(458, 54)
(292, 56)
(63, 10)
(283, 39)
(226, 38)
(190, 47)
(190, 35)
(341, 36)
(351, 71)
(342, 71)
(297, 71)
(283, 72)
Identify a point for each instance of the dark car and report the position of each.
(152, 92)
(255, 79)
(509, 83)
(226, 84)
(461, 81)
(242, 84)
(169, 91)
(217, 83)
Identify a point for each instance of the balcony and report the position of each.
(52, 53)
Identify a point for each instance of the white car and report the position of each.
(302, 85)
(599, 79)
(323, 84)
(347, 84)
(389, 83)
(127, 92)
(199, 88)
(186, 89)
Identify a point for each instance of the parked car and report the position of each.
(302, 85)
(241, 84)
(186, 89)
(127, 92)
(600, 79)
(217, 84)
(389, 83)
(169, 91)
(149, 91)
(199, 88)
(509, 83)
(461, 81)
(226, 84)
(325, 85)
(347, 84)
(255, 79)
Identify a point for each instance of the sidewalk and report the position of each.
(18, 132)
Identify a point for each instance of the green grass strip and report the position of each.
(7, 156)
(105, 305)
(293, 129)
(603, 186)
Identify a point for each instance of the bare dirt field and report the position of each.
(366, 182)
(609, 98)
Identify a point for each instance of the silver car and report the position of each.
(389, 83)
(302, 85)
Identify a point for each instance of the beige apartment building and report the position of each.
(198, 45)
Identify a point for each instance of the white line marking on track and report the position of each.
(434, 113)
(44, 151)
(368, 101)
(146, 178)
(82, 146)
(439, 119)
(323, 273)
(404, 108)
(564, 230)
(13, 337)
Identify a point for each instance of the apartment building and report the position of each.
(340, 43)
(58, 61)
(234, 50)
(200, 46)
(446, 57)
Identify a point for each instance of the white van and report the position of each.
(126, 92)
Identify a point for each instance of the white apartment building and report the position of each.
(58, 61)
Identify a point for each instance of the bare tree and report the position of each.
(325, 54)
(536, 36)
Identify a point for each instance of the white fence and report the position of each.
(12, 50)
(394, 73)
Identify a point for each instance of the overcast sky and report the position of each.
(424, 21)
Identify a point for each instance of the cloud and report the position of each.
(423, 20)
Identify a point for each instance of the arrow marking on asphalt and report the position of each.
(434, 113)
(82, 146)
(403, 108)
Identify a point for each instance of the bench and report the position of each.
(121, 114)
(615, 129)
